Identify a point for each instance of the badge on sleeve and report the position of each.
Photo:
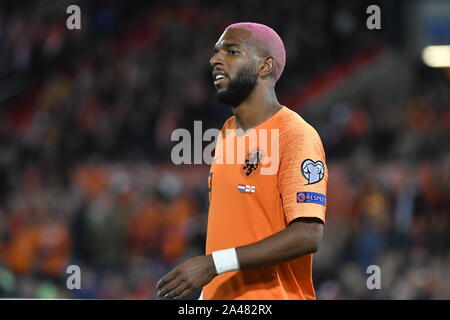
(313, 171)
(312, 197)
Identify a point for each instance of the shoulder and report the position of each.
(229, 123)
(293, 126)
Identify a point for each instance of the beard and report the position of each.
(239, 88)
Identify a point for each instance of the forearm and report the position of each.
(300, 238)
(295, 241)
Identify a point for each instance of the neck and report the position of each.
(260, 105)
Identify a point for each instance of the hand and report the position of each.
(187, 278)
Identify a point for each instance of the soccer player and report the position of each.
(262, 228)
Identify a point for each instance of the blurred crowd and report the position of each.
(85, 172)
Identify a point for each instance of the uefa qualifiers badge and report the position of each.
(313, 171)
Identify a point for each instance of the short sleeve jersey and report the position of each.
(259, 182)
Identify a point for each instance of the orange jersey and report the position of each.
(253, 198)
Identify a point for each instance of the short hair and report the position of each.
(269, 40)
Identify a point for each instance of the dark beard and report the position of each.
(240, 88)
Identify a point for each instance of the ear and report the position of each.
(266, 66)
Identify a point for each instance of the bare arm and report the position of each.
(303, 236)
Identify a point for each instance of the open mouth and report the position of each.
(219, 79)
(219, 76)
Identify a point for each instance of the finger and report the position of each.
(166, 279)
(177, 291)
(183, 295)
(164, 289)
(167, 287)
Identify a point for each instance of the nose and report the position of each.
(216, 60)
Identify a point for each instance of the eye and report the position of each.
(233, 52)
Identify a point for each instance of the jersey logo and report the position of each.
(313, 171)
(252, 162)
(311, 197)
(246, 188)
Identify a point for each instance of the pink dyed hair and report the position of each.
(269, 40)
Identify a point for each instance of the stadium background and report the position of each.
(86, 118)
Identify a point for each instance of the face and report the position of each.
(234, 67)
